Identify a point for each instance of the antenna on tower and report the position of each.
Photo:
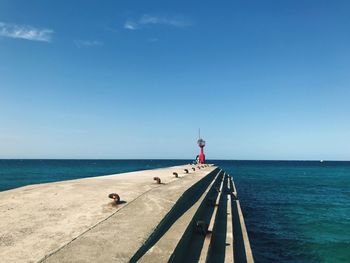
(199, 133)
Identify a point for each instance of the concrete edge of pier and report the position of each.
(155, 220)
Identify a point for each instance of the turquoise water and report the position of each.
(294, 211)
(16, 173)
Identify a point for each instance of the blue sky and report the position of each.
(136, 79)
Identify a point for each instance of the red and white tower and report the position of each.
(201, 144)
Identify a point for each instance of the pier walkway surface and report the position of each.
(186, 213)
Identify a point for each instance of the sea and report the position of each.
(295, 211)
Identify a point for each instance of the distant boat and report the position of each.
(321, 161)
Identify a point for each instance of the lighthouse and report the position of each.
(201, 144)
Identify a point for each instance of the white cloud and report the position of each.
(25, 32)
(130, 25)
(175, 21)
(164, 20)
(87, 43)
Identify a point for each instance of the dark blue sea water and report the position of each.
(294, 211)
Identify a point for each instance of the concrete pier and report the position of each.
(174, 214)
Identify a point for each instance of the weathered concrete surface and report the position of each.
(120, 236)
(74, 221)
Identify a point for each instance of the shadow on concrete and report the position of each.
(190, 245)
(186, 201)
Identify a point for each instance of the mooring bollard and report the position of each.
(186, 171)
(194, 169)
(157, 179)
(115, 197)
(176, 174)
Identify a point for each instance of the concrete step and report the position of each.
(164, 248)
(189, 246)
(242, 249)
(229, 256)
(224, 240)
(233, 189)
(208, 238)
(241, 246)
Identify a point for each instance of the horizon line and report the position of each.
(177, 159)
